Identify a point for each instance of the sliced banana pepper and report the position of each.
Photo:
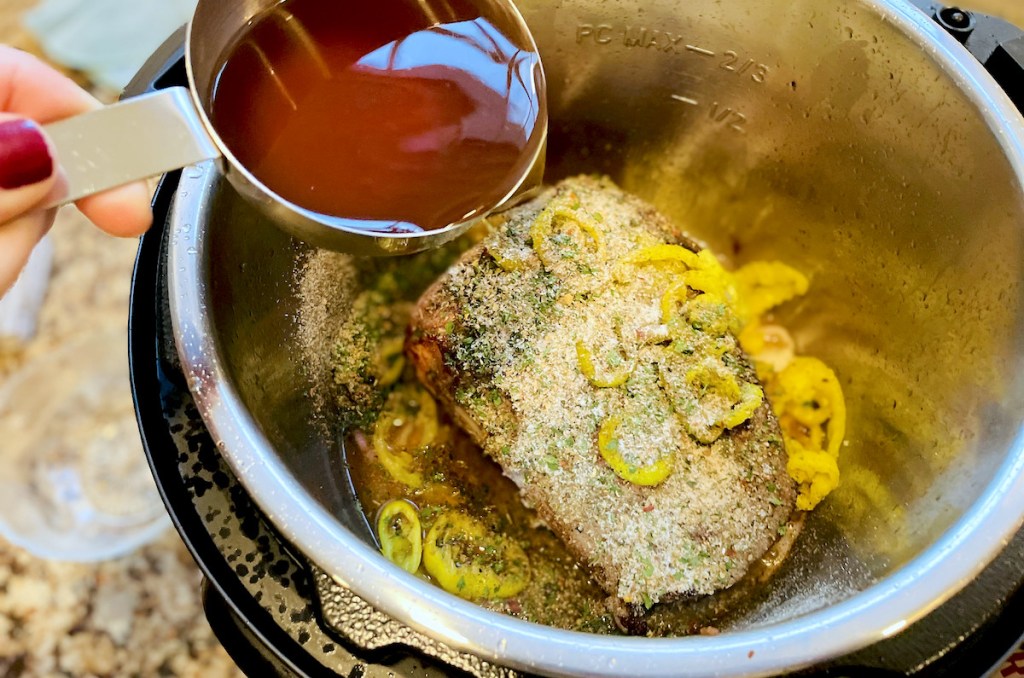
(549, 220)
(660, 253)
(715, 284)
(708, 398)
(737, 401)
(808, 391)
(751, 397)
(763, 285)
(612, 380)
(466, 559)
(401, 537)
(511, 264)
(608, 444)
(815, 472)
(408, 424)
(809, 403)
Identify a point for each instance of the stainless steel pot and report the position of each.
(852, 139)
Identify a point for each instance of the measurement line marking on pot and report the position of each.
(718, 113)
(642, 37)
(700, 50)
(686, 100)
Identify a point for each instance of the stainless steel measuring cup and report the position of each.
(170, 129)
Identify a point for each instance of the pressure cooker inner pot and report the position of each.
(816, 133)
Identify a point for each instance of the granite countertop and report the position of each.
(138, 615)
(141, 614)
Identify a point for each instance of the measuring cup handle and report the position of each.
(135, 139)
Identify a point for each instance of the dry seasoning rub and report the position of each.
(586, 297)
(374, 298)
(595, 359)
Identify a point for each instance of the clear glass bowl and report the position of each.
(74, 482)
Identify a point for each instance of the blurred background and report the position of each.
(137, 614)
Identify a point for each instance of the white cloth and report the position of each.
(107, 39)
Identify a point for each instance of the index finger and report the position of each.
(30, 88)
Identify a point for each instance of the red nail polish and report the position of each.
(24, 156)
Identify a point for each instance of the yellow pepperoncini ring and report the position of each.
(708, 382)
(664, 254)
(808, 401)
(714, 283)
(468, 560)
(508, 257)
(510, 264)
(608, 444)
(390, 361)
(815, 472)
(737, 401)
(660, 253)
(548, 220)
(710, 314)
(708, 398)
(763, 285)
(612, 380)
(808, 392)
(751, 397)
(408, 423)
(401, 537)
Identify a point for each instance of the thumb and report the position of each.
(27, 170)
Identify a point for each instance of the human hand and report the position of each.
(33, 94)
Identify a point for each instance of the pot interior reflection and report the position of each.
(821, 135)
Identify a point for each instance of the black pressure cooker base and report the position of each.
(264, 600)
(258, 594)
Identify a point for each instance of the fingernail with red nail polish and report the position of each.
(24, 156)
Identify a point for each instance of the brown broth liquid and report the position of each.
(560, 592)
(399, 115)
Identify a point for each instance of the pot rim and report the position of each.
(880, 611)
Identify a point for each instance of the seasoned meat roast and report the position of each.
(592, 357)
